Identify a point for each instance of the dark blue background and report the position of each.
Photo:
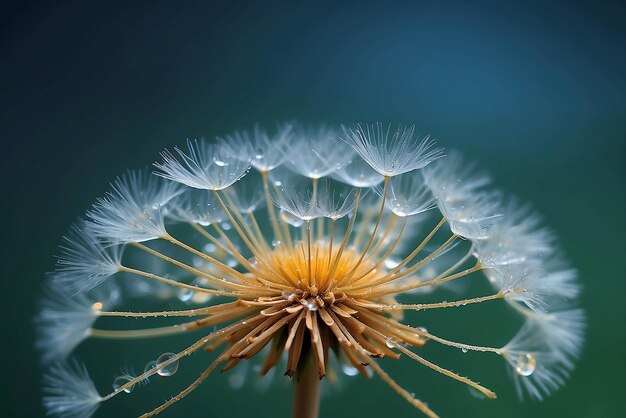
(534, 91)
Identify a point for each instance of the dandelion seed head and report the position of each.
(301, 249)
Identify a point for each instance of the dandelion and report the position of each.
(303, 249)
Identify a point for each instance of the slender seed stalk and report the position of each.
(306, 400)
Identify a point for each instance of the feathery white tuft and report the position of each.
(407, 195)
(515, 238)
(301, 205)
(69, 391)
(84, 262)
(316, 153)
(207, 166)
(196, 206)
(391, 153)
(537, 285)
(358, 174)
(269, 150)
(335, 201)
(542, 353)
(133, 210)
(459, 193)
(65, 318)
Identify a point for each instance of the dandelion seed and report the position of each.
(314, 271)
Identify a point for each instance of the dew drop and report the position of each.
(185, 295)
(122, 380)
(226, 226)
(349, 370)
(149, 367)
(464, 349)
(220, 163)
(390, 343)
(259, 154)
(391, 263)
(291, 219)
(275, 243)
(526, 364)
(171, 368)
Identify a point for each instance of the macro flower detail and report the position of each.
(303, 249)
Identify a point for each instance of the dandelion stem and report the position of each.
(387, 254)
(179, 284)
(223, 267)
(488, 393)
(236, 225)
(245, 289)
(420, 247)
(394, 276)
(346, 235)
(270, 208)
(434, 282)
(307, 391)
(349, 276)
(232, 250)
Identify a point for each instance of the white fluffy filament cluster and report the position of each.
(325, 218)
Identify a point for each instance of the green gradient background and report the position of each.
(534, 93)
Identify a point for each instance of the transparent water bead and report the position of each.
(220, 163)
(151, 365)
(122, 380)
(391, 263)
(171, 368)
(291, 219)
(526, 364)
(185, 295)
(464, 349)
(349, 370)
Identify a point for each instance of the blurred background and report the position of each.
(533, 91)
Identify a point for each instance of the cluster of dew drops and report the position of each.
(165, 371)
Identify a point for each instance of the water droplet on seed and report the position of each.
(220, 163)
(171, 368)
(349, 370)
(185, 295)
(526, 364)
(149, 367)
(122, 380)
